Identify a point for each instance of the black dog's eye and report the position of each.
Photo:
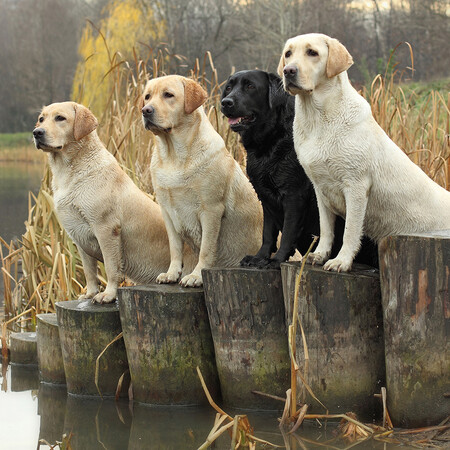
(41, 119)
(59, 118)
(228, 88)
(147, 97)
(311, 52)
(168, 95)
(250, 86)
(287, 54)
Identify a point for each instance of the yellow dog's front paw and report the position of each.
(317, 258)
(338, 265)
(192, 280)
(169, 277)
(104, 297)
(88, 295)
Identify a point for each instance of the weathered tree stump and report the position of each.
(85, 330)
(51, 366)
(415, 280)
(23, 348)
(341, 317)
(51, 408)
(167, 335)
(246, 314)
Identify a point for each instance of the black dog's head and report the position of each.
(249, 96)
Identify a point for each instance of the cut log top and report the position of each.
(86, 306)
(358, 270)
(29, 336)
(49, 318)
(164, 289)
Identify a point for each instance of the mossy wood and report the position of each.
(51, 366)
(246, 313)
(85, 330)
(167, 335)
(23, 348)
(341, 317)
(415, 280)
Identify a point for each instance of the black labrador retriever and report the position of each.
(262, 113)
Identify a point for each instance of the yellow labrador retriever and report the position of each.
(357, 171)
(206, 199)
(102, 210)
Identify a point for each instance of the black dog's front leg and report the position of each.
(269, 244)
(295, 211)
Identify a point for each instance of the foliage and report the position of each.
(123, 22)
(14, 140)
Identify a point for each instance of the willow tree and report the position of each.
(125, 24)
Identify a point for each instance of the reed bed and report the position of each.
(44, 266)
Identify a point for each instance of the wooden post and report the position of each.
(246, 313)
(85, 329)
(415, 280)
(341, 317)
(23, 348)
(167, 335)
(51, 366)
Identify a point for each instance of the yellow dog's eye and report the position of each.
(311, 52)
(147, 97)
(168, 95)
(60, 118)
(287, 54)
(41, 119)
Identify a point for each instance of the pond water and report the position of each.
(17, 179)
(30, 411)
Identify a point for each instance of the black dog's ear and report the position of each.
(276, 91)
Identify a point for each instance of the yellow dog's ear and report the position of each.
(85, 122)
(339, 59)
(194, 95)
(281, 65)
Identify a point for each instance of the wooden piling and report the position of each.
(341, 317)
(85, 330)
(167, 335)
(246, 314)
(415, 280)
(23, 348)
(51, 366)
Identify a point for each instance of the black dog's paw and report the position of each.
(250, 261)
(268, 263)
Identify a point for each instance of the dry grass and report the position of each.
(50, 262)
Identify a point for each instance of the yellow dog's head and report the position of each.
(60, 124)
(310, 59)
(169, 101)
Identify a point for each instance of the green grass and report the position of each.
(14, 140)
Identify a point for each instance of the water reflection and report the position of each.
(97, 424)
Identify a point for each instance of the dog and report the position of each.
(356, 170)
(262, 113)
(205, 197)
(107, 216)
